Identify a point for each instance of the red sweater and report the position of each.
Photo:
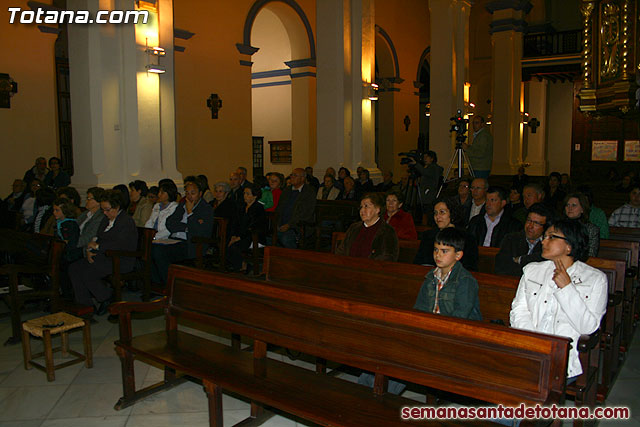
(402, 222)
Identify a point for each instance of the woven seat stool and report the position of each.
(47, 326)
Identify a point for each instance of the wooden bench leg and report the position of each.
(14, 302)
(26, 349)
(86, 341)
(214, 394)
(128, 378)
(48, 355)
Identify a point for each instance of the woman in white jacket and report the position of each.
(562, 296)
(167, 195)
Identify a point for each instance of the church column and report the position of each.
(333, 67)
(507, 27)
(303, 112)
(346, 65)
(449, 70)
(123, 116)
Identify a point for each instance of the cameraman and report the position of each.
(480, 152)
(430, 175)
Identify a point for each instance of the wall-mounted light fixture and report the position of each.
(427, 109)
(370, 91)
(154, 64)
(156, 69)
(156, 50)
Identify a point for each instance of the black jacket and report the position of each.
(122, 236)
(507, 224)
(248, 221)
(515, 245)
(199, 223)
(303, 208)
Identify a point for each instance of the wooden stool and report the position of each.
(46, 326)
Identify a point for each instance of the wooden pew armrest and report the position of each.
(615, 299)
(125, 307)
(587, 343)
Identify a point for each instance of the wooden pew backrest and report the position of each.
(499, 365)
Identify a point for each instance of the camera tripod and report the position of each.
(461, 157)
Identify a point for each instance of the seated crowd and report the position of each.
(543, 233)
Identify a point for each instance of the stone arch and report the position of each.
(288, 11)
(383, 36)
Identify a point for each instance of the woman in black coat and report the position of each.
(116, 231)
(251, 217)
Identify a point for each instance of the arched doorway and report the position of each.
(283, 84)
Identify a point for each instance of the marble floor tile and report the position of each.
(187, 397)
(28, 403)
(87, 400)
(107, 370)
(35, 377)
(188, 419)
(23, 423)
(110, 421)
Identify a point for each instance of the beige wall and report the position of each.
(30, 126)
(211, 64)
(407, 24)
(559, 117)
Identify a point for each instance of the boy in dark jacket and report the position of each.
(449, 289)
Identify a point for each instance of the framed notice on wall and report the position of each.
(632, 151)
(606, 151)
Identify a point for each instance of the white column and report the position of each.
(449, 70)
(333, 67)
(122, 117)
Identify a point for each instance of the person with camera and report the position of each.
(480, 152)
(429, 172)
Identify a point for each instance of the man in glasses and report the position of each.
(522, 247)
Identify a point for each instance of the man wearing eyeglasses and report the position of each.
(522, 247)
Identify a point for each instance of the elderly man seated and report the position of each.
(522, 247)
(296, 206)
(193, 217)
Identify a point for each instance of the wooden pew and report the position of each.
(142, 269)
(339, 213)
(397, 285)
(487, 259)
(628, 252)
(611, 325)
(17, 297)
(218, 240)
(474, 359)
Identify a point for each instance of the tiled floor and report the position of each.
(85, 397)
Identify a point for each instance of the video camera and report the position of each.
(408, 156)
(459, 126)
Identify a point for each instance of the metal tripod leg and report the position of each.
(461, 158)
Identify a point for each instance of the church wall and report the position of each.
(407, 24)
(271, 105)
(559, 117)
(30, 126)
(211, 64)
